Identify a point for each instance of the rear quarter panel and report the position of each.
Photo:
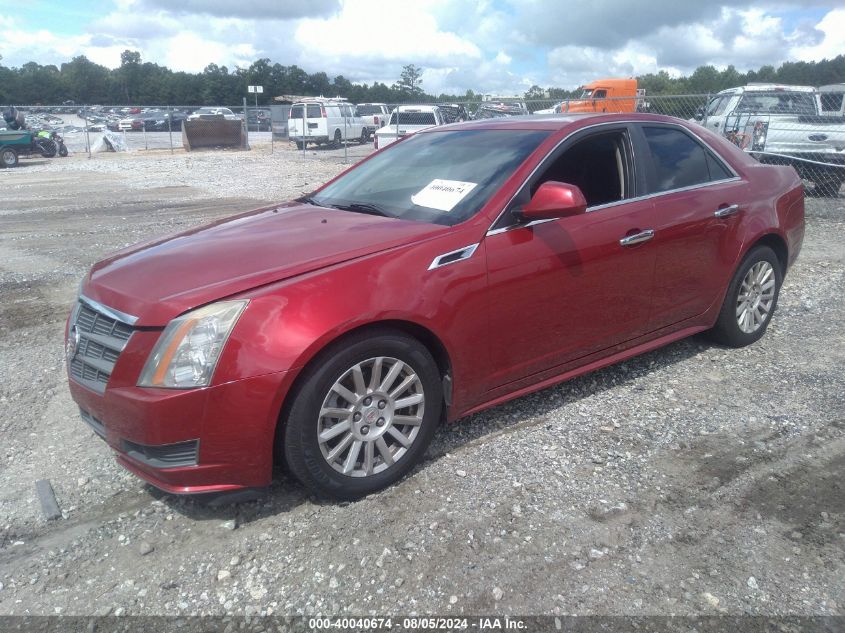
(775, 198)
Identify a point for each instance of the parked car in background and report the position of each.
(213, 113)
(151, 121)
(783, 125)
(259, 120)
(322, 121)
(498, 109)
(555, 109)
(453, 112)
(451, 272)
(378, 112)
(405, 120)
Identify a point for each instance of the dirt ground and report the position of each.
(691, 480)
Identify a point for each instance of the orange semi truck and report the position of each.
(606, 95)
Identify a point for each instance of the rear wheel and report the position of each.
(338, 139)
(365, 137)
(751, 299)
(363, 416)
(8, 157)
(300, 144)
(62, 150)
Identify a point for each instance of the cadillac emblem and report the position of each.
(72, 346)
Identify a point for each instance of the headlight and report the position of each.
(190, 346)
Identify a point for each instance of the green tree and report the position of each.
(410, 82)
(535, 92)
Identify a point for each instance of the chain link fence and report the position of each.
(798, 127)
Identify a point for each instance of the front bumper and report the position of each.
(230, 427)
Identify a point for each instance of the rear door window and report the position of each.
(296, 112)
(678, 160)
(313, 112)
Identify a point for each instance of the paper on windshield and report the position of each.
(442, 195)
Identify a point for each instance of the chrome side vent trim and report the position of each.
(453, 256)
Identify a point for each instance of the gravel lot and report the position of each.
(691, 480)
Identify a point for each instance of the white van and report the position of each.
(320, 121)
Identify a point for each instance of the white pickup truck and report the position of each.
(783, 125)
(405, 120)
(321, 121)
(378, 113)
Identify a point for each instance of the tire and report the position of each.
(326, 465)
(300, 144)
(738, 325)
(338, 139)
(365, 137)
(8, 157)
(48, 148)
(63, 150)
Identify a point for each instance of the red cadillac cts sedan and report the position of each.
(461, 267)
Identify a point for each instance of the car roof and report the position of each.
(553, 122)
(763, 87)
(416, 108)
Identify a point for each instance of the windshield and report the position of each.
(439, 177)
(414, 118)
(778, 103)
(587, 94)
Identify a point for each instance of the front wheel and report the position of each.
(751, 299)
(8, 157)
(363, 416)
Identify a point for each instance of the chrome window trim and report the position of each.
(466, 252)
(617, 203)
(735, 177)
(128, 319)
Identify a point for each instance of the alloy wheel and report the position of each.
(756, 297)
(371, 416)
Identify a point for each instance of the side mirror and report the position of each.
(699, 113)
(554, 200)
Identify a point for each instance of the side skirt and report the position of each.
(587, 367)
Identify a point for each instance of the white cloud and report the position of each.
(381, 38)
(493, 46)
(832, 25)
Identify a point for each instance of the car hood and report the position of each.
(159, 280)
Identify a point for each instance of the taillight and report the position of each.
(375, 119)
(323, 112)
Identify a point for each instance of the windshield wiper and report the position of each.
(310, 200)
(363, 207)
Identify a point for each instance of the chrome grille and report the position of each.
(102, 338)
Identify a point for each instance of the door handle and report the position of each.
(637, 238)
(725, 212)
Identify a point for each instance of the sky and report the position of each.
(490, 46)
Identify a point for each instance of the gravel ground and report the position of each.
(691, 480)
